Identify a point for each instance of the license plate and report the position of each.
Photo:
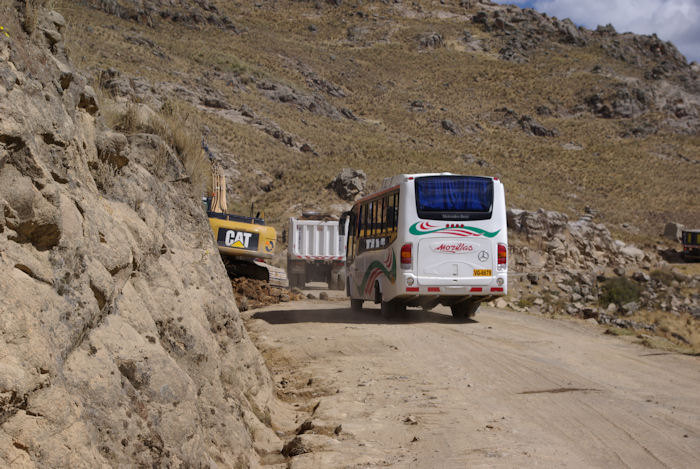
(482, 272)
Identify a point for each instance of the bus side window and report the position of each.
(382, 216)
(348, 239)
(394, 211)
(390, 213)
(361, 221)
(375, 218)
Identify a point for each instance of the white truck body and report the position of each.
(316, 253)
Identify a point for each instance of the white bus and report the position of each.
(428, 239)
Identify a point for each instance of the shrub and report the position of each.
(175, 123)
(662, 276)
(618, 290)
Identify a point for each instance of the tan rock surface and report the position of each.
(120, 342)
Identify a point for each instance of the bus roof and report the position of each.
(399, 178)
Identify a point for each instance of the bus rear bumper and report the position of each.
(454, 291)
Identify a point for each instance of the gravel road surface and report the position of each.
(506, 390)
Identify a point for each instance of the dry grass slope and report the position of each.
(372, 52)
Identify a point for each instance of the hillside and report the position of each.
(288, 93)
(121, 343)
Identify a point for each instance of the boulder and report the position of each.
(633, 253)
(630, 308)
(641, 277)
(673, 231)
(349, 183)
(112, 148)
(432, 41)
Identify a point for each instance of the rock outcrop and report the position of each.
(120, 341)
(578, 267)
(349, 183)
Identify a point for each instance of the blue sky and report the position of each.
(677, 21)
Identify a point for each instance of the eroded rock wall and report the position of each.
(120, 342)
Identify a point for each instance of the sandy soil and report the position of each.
(506, 390)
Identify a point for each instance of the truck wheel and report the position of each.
(388, 309)
(465, 310)
(297, 280)
(340, 284)
(355, 305)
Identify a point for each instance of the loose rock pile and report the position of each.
(251, 293)
(578, 268)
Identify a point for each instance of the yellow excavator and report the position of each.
(244, 242)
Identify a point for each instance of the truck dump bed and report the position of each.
(316, 253)
(315, 240)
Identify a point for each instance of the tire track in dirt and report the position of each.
(506, 390)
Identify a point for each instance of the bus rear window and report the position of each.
(454, 197)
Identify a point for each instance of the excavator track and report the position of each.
(276, 276)
(237, 267)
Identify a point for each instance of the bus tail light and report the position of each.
(406, 258)
(502, 255)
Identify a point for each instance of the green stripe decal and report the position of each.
(427, 228)
(379, 267)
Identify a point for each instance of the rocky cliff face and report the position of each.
(120, 342)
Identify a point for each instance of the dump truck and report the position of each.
(691, 245)
(316, 251)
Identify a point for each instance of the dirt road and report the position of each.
(507, 390)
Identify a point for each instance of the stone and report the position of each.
(641, 277)
(450, 126)
(112, 148)
(32, 217)
(633, 253)
(215, 102)
(308, 443)
(432, 41)
(630, 308)
(349, 183)
(88, 100)
(673, 231)
(531, 126)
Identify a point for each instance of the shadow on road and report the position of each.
(347, 316)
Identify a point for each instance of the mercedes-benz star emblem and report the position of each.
(483, 256)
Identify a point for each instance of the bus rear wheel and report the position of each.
(355, 305)
(465, 310)
(391, 309)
